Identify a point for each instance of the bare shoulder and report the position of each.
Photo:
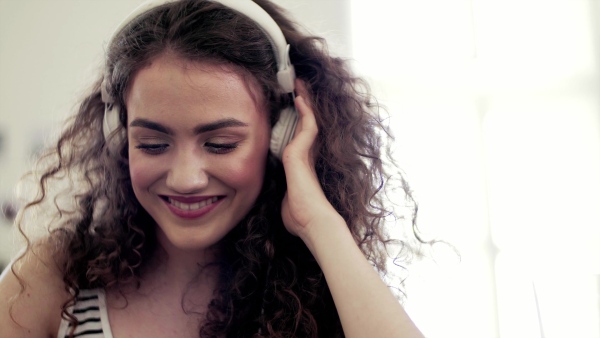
(31, 299)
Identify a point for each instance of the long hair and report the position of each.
(270, 284)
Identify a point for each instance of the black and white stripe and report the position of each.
(89, 310)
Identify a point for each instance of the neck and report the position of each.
(179, 271)
(179, 280)
(172, 275)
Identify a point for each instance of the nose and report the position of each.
(188, 173)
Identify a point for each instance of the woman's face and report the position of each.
(198, 142)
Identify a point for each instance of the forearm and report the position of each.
(367, 308)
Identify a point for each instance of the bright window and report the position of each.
(496, 108)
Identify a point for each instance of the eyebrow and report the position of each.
(199, 129)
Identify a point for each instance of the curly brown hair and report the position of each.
(269, 281)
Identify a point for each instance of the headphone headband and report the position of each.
(285, 71)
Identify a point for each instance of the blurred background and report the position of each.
(496, 109)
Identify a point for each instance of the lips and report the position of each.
(191, 207)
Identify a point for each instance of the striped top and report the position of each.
(90, 311)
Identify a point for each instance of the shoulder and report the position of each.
(32, 293)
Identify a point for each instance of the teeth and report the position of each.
(193, 206)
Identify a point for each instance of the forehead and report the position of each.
(173, 85)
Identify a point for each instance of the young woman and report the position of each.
(191, 214)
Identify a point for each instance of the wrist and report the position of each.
(325, 231)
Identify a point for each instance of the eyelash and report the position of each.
(215, 148)
(153, 149)
(220, 148)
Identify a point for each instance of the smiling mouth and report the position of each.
(191, 206)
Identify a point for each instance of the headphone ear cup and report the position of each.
(283, 131)
(110, 127)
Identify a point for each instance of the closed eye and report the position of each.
(220, 148)
(153, 149)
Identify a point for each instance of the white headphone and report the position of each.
(282, 132)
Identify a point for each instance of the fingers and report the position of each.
(306, 130)
(307, 122)
(300, 88)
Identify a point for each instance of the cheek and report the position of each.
(141, 174)
(246, 173)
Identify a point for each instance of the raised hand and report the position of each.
(304, 204)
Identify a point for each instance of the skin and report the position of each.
(366, 306)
